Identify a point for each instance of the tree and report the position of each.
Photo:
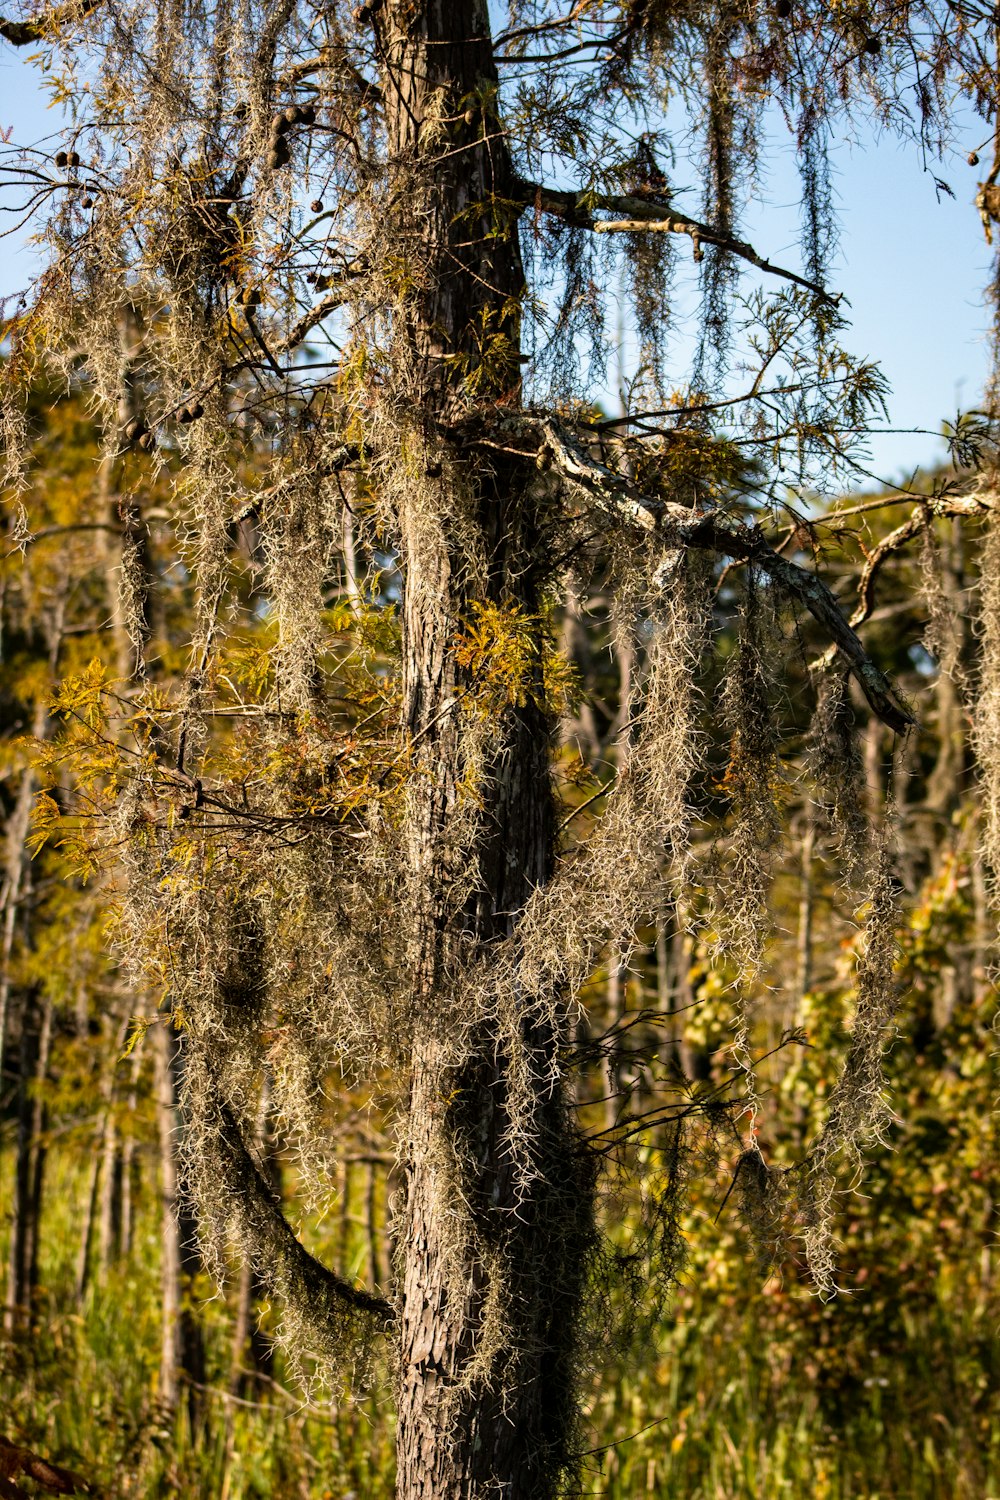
(371, 871)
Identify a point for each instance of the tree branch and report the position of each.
(23, 33)
(277, 1252)
(713, 530)
(309, 320)
(645, 215)
(955, 505)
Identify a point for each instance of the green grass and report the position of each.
(743, 1394)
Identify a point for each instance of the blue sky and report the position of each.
(913, 265)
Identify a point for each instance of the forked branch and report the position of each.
(975, 504)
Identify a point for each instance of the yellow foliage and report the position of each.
(511, 660)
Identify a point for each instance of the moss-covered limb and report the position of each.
(643, 215)
(304, 1283)
(729, 536)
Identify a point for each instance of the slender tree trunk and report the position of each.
(874, 770)
(15, 860)
(984, 931)
(17, 1302)
(128, 1160)
(664, 989)
(695, 1062)
(492, 1257)
(375, 1271)
(804, 943)
(612, 1097)
(39, 1153)
(345, 1174)
(29, 1162)
(109, 1217)
(36, 1023)
(98, 1201)
(251, 1352)
(946, 781)
(83, 1257)
(182, 1354)
(669, 999)
(581, 730)
(350, 559)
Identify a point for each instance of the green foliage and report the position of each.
(84, 1385)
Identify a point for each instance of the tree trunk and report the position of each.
(16, 862)
(182, 1354)
(669, 998)
(476, 1421)
(874, 770)
(39, 1154)
(128, 1161)
(99, 1202)
(109, 1218)
(33, 1061)
(375, 1273)
(252, 1352)
(804, 941)
(89, 1215)
(946, 782)
(492, 1257)
(350, 559)
(616, 1007)
(581, 729)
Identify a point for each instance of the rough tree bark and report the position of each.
(468, 1424)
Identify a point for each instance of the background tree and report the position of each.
(345, 838)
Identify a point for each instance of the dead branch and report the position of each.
(951, 505)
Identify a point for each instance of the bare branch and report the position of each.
(309, 320)
(876, 558)
(953, 505)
